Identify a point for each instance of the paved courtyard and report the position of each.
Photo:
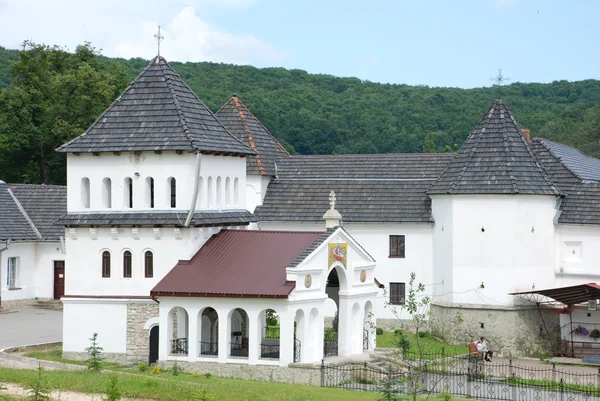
(30, 326)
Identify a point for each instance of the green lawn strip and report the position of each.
(4, 397)
(55, 355)
(429, 345)
(182, 387)
(554, 386)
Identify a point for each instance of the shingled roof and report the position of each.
(573, 173)
(31, 212)
(228, 265)
(157, 111)
(495, 159)
(369, 188)
(240, 121)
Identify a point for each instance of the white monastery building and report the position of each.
(195, 237)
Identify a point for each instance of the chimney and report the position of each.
(332, 217)
(526, 134)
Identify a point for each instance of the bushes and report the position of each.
(379, 331)
(143, 367)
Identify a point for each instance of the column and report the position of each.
(224, 334)
(165, 332)
(193, 335)
(344, 325)
(254, 336)
(286, 338)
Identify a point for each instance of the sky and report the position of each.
(456, 43)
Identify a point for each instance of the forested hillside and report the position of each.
(322, 114)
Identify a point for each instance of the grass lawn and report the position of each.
(429, 345)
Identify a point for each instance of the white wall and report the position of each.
(84, 258)
(256, 188)
(514, 253)
(35, 276)
(161, 167)
(577, 251)
(82, 318)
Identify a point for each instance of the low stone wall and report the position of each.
(393, 324)
(138, 338)
(295, 373)
(509, 332)
(19, 303)
(107, 357)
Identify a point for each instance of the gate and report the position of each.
(330, 343)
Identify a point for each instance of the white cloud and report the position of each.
(189, 38)
(504, 3)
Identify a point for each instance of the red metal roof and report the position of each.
(236, 263)
(572, 295)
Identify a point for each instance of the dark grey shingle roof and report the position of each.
(312, 246)
(43, 204)
(238, 120)
(581, 202)
(584, 167)
(157, 111)
(208, 218)
(495, 159)
(369, 188)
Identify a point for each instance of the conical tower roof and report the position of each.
(240, 121)
(495, 159)
(157, 112)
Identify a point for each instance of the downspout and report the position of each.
(188, 220)
(2, 250)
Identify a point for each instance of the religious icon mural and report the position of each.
(338, 253)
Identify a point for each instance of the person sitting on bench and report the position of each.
(482, 348)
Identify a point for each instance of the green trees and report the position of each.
(55, 96)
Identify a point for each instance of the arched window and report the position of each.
(105, 264)
(236, 191)
(128, 193)
(150, 192)
(127, 264)
(173, 186)
(107, 193)
(228, 191)
(85, 192)
(219, 193)
(209, 192)
(149, 264)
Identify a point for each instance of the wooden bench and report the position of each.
(473, 350)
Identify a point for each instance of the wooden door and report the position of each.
(59, 278)
(153, 357)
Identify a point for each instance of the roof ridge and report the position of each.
(259, 162)
(513, 179)
(24, 213)
(182, 120)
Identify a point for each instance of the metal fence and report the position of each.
(208, 348)
(466, 377)
(179, 346)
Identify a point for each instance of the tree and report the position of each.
(39, 389)
(416, 362)
(429, 145)
(112, 389)
(55, 96)
(94, 362)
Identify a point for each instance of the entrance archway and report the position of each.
(331, 333)
(209, 332)
(153, 354)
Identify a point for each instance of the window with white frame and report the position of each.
(12, 272)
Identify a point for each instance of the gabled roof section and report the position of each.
(157, 111)
(240, 121)
(369, 188)
(584, 167)
(31, 212)
(495, 159)
(238, 263)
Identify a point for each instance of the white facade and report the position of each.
(256, 188)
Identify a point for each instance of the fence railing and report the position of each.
(209, 349)
(466, 377)
(272, 332)
(269, 351)
(297, 350)
(239, 349)
(179, 346)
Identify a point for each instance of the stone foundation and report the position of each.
(393, 324)
(138, 338)
(509, 332)
(20, 303)
(107, 357)
(296, 373)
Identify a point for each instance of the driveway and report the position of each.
(30, 326)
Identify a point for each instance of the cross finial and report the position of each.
(499, 80)
(159, 37)
(332, 200)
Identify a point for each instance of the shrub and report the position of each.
(143, 367)
(379, 331)
(112, 391)
(94, 362)
(208, 375)
(425, 334)
(39, 389)
(402, 340)
(398, 332)
(156, 370)
(595, 334)
(175, 369)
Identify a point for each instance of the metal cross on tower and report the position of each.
(159, 37)
(332, 200)
(499, 80)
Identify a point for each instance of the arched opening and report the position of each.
(228, 191)
(127, 264)
(107, 193)
(208, 320)
(128, 193)
(331, 335)
(148, 264)
(106, 264)
(172, 192)
(209, 192)
(299, 328)
(236, 191)
(270, 334)
(85, 193)
(368, 327)
(219, 193)
(150, 192)
(178, 331)
(153, 351)
(238, 325)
